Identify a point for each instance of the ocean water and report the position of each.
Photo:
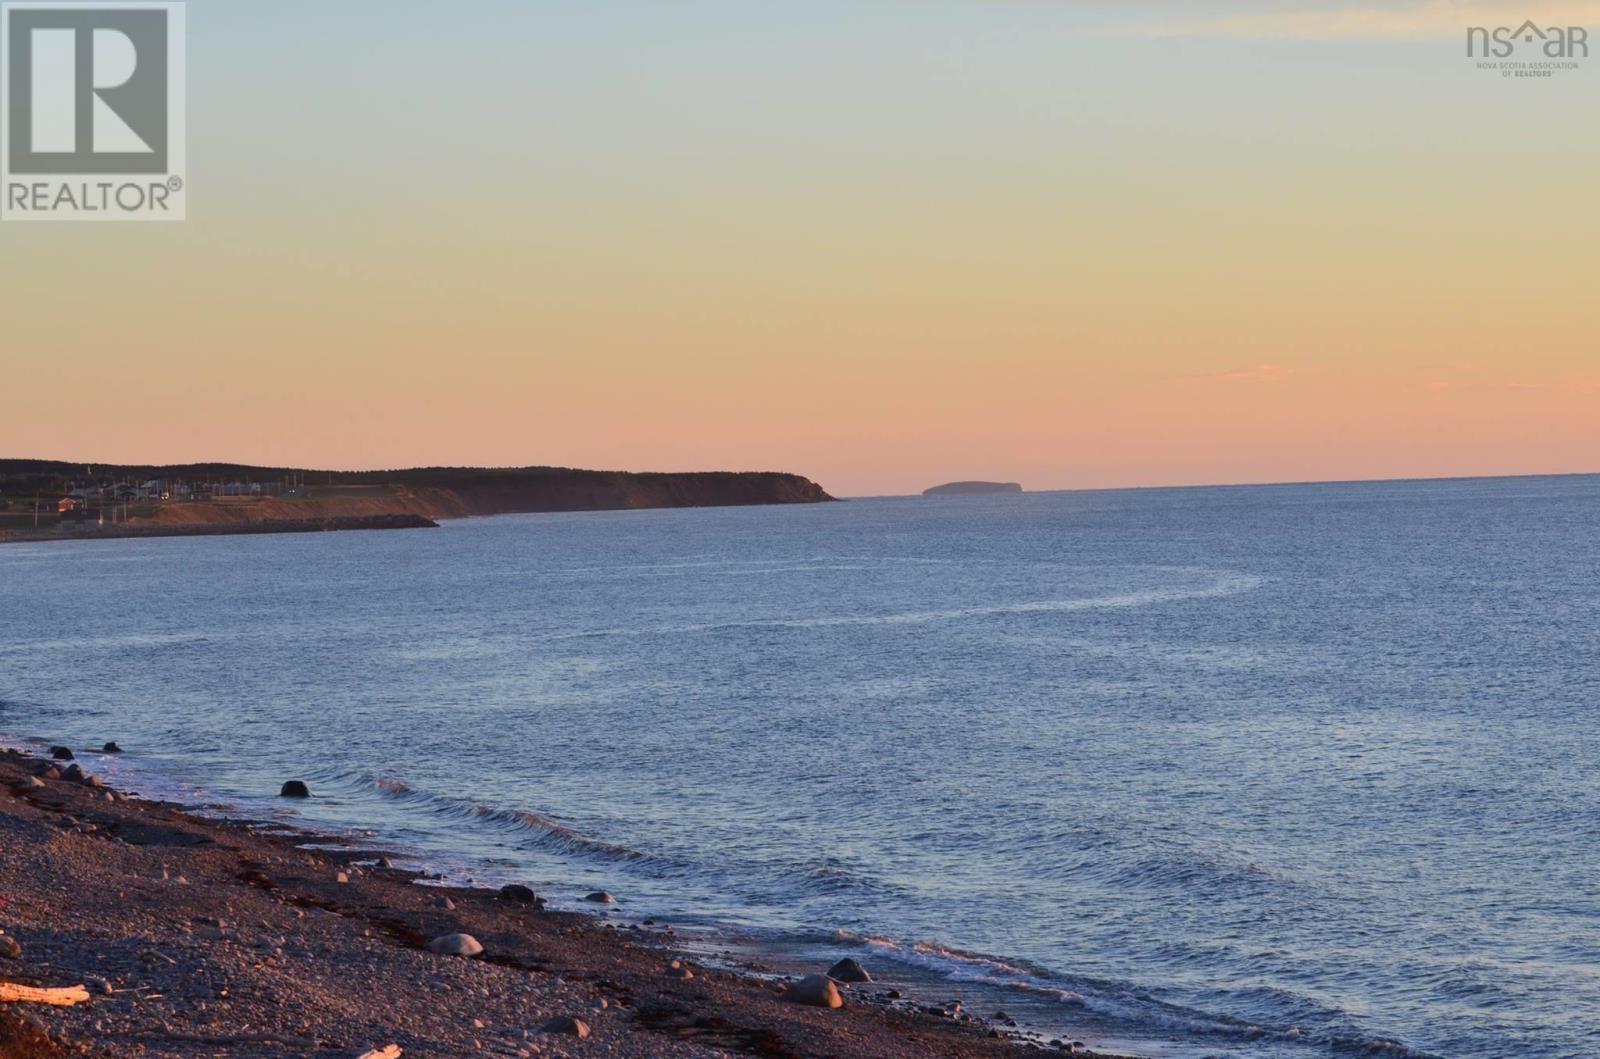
(1260, 772)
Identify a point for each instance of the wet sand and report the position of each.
(203, 937)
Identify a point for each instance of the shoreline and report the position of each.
(182, 925)
(126, 530)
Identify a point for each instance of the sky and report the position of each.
(882, 243)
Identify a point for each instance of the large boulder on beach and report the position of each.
(848, 970)
(455, 945)
(295, 789)
(818, 990)
(61, 753)
(74, 773)
(568, 1025)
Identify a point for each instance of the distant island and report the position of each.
(50, 499)
(972, 488)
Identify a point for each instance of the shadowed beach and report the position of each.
(200, 937)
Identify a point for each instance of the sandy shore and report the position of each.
(199, 937)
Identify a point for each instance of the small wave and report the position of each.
(1098, 998)
(145, 641)
(522, 822)
(832, 877)
(1377, 1048)
(1194, 871)
(1111, 1001)
(772, 880)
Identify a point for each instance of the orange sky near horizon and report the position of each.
(883, 245)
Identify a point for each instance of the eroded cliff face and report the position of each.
(448, 494)
(494, 493)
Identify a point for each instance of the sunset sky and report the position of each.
(883, 243)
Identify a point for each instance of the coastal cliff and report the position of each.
(52, 499)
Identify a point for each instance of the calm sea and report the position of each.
(1284, 771)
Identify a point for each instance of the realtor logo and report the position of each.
(93, 104)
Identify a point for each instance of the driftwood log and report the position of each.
(388, 1051)
(10, 992)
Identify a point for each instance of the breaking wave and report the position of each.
(1116, 1003)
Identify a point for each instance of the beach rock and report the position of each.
(848, 970)
(600, 897)
(444, 902)
(818, 990)
(521, 895)
(10, 948)
(455, 945)
(568, 1025)
(341, 878)
(61, 753)
(295, 789)
(111, 748)
(74, 773)
(35, 781)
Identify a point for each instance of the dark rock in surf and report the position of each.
(295, 789)
(521, 895)
(111, 748)
(61, 753)
(600, 897)
(848, 970)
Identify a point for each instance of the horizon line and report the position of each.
(1293, 482)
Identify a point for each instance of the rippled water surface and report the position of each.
(1284, 771)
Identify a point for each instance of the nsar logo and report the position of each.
(1555, 42)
